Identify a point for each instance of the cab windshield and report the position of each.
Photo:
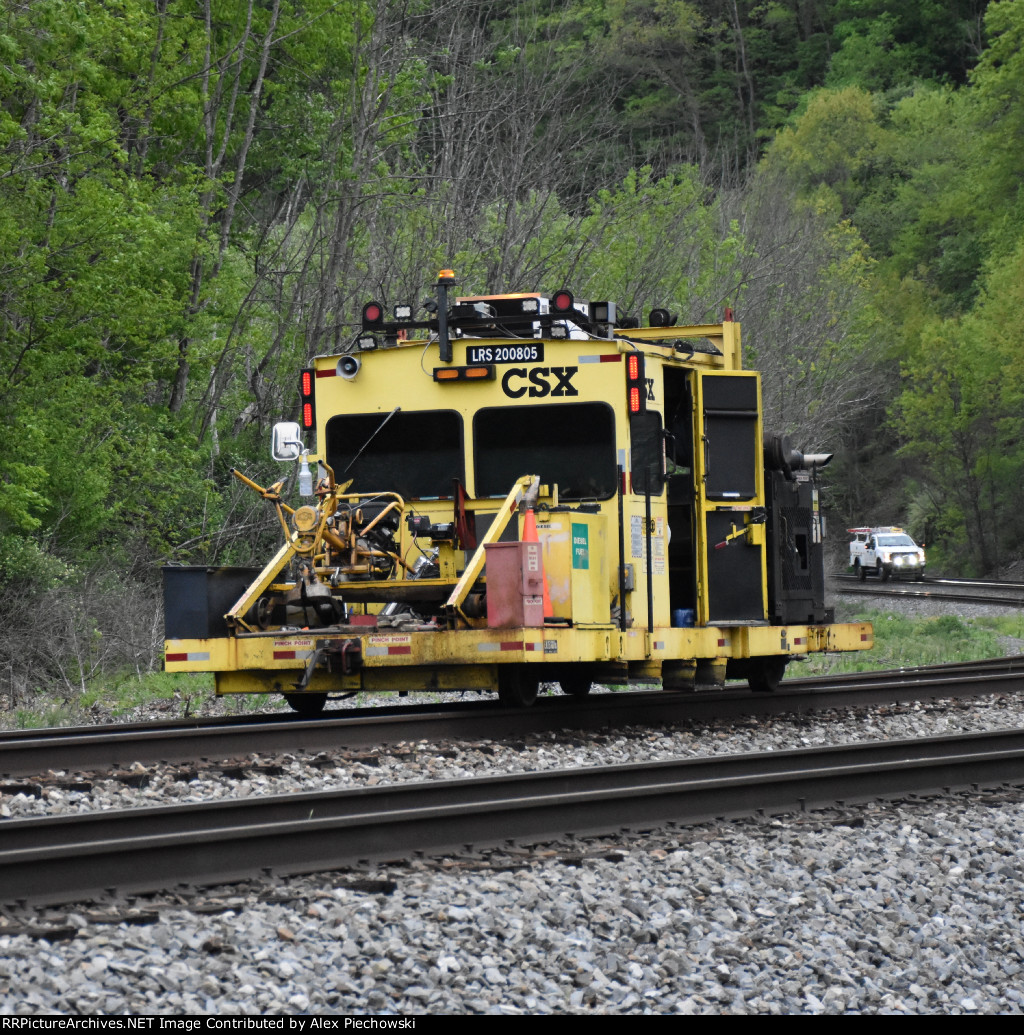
(896, 540)
(571, 445)
(417, 454)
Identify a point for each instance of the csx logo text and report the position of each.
(538, 379)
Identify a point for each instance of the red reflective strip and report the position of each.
(721, 643)
(617, 358)
(284, 655)
(799, 640)
(400, 650)
(327, 373)
(511, 645)
(175, 657)
(531, 646)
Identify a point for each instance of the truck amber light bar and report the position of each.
(477, 373)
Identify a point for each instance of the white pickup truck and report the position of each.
(885, 551)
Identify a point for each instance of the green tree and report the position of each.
(833, 144)
(884, 45)
(959, 414)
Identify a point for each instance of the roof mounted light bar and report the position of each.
(524, 314)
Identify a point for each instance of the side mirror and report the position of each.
(286, 443)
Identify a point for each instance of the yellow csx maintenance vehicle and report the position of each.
(519, 490)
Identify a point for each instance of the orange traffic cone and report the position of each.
(530, 536)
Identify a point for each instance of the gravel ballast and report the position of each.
(916, 907)
(423, 760)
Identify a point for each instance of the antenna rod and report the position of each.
(444, 278)
(371, 438)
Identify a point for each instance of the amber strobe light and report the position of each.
(306, 381)
(636, 383)
(477, 373)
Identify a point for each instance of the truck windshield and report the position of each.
(417, 454)
(895, 540)
(571, 445)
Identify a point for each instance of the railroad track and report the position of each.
(968, 591)
(70, 858)
(25, 753)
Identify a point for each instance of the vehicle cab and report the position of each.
(884, 552)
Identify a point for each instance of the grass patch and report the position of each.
(905, 642)
(1010, 626)
(124, 695)
(111, 699)
(47, 716)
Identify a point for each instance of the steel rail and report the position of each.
(69, 858)
(996, 584)
(1001, 594)
(26, 753)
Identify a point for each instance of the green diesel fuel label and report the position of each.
(580, 546)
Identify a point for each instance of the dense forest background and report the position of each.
(197, 196)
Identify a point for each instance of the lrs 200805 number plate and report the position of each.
(504, 354)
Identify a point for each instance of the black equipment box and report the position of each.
(196, 598)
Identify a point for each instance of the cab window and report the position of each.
(417, 454)
(571, 445)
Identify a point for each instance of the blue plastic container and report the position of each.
(682, 618)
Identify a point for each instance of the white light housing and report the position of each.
(602, 312)
(817, 459)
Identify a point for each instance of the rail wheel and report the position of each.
(860, 571)
(575, 684)
(306, 705)
(517, 686)
(766, 674)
